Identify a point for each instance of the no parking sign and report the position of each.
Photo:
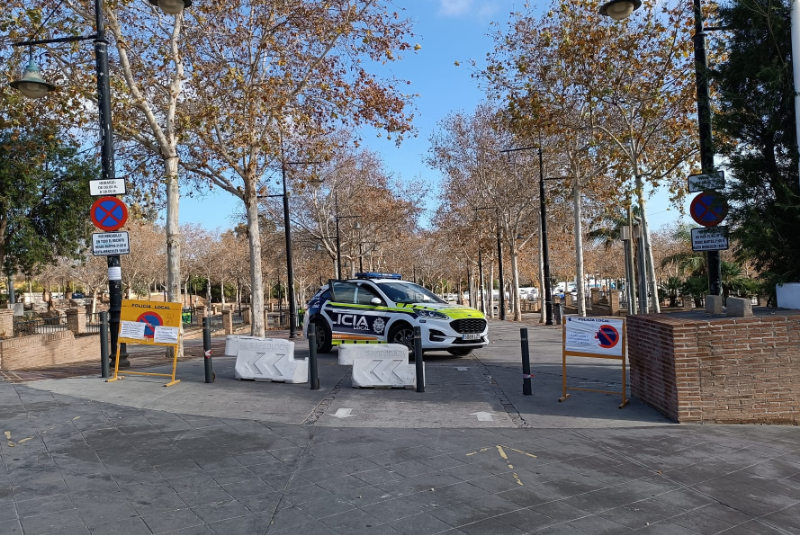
(594, 336)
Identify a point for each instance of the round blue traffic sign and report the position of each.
(109, 213)
(152, 320)
(708, 209)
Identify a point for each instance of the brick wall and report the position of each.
(693, 368)
(48, 350)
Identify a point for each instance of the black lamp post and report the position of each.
(287, 231)
(621, 9)
(548, 295)
(32, 85)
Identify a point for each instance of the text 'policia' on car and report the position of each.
(380, 308)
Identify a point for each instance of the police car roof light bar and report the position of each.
(376, 275)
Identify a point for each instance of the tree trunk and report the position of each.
(490, 293)
(578, 211)
(256, 281)
(631, 282)
(542, 311)
(651, 272)
(173, 236)
(222, 291)
(515, 284)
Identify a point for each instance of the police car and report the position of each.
(380, 308)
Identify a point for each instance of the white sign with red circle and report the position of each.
(597, 336)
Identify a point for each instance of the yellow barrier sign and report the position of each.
(149, 323)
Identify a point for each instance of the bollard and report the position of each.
(209, 368)
(418, 360)
(526, 363)
(313, 372)
(558, 313)
(104, 364)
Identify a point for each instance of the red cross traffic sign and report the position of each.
(109, 213)
(708, 209)
(607, 336)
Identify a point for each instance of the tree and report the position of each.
(44, 198)
(755, 124)
(292, 71)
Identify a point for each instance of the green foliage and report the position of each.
(672, 287)
(44, 199)
(755, 129)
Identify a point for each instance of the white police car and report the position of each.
(380, 308)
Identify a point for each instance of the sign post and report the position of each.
(150, 323)
(599, 338)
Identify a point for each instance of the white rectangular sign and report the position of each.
(594, 336)
(715, 180)
(165, 335)
(132, 329)
(101, 188)
(710, 239)
(110, 243)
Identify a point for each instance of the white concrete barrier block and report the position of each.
(266, 359)
(383, 366)
(788, 295)
(348, 352)
(714, 304)
(232, 342)
(739, 308)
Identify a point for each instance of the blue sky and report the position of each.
(448, 31)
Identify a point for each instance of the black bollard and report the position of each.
(313, 372)
(526, 363)
(418, 360)
(209, 368)
(104, 364)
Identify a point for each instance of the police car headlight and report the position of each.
(431, 314)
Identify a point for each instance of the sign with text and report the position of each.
(698, 183)
(102, 188)
(710, 239)
(110, 243)
(595, 336)
(149, 322)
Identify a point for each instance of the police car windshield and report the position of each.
(406, 292)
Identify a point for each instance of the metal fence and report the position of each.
(93, 323)
(40, 326)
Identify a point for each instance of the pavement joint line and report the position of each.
(508, 406)
(319, 410)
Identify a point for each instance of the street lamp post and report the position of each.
(287, 231)
(548, 294)
(32, 85)
(621, 9)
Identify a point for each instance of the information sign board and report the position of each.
(102, 188)
(150, 323)
(698, 183)
(710, 239)
(110, 243)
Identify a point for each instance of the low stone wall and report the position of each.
(48, 350)
(693, 367)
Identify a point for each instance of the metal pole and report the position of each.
(289, 267)
(313, 371)
(469, 288)
(418, 363)
(548, 294)
(500, 267)
(207, 363)
(360, 259)
(338, 243)
(706, 138)
(628, 279)
(643, 301)
(104, 366)
(526, 362)
(107, 164)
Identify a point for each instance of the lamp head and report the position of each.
(171, 7)
(32, 85)
(318, 248)
(620, 9)
(358, 226)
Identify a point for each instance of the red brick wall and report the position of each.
(742, 370)
(48, 350)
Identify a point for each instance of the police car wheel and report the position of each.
(403, 334)
(323, 333)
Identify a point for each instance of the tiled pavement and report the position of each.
(73, 466)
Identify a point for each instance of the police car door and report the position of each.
(353, 314)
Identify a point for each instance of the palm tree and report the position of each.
(687, 261)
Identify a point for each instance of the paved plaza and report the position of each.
(471, 455)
